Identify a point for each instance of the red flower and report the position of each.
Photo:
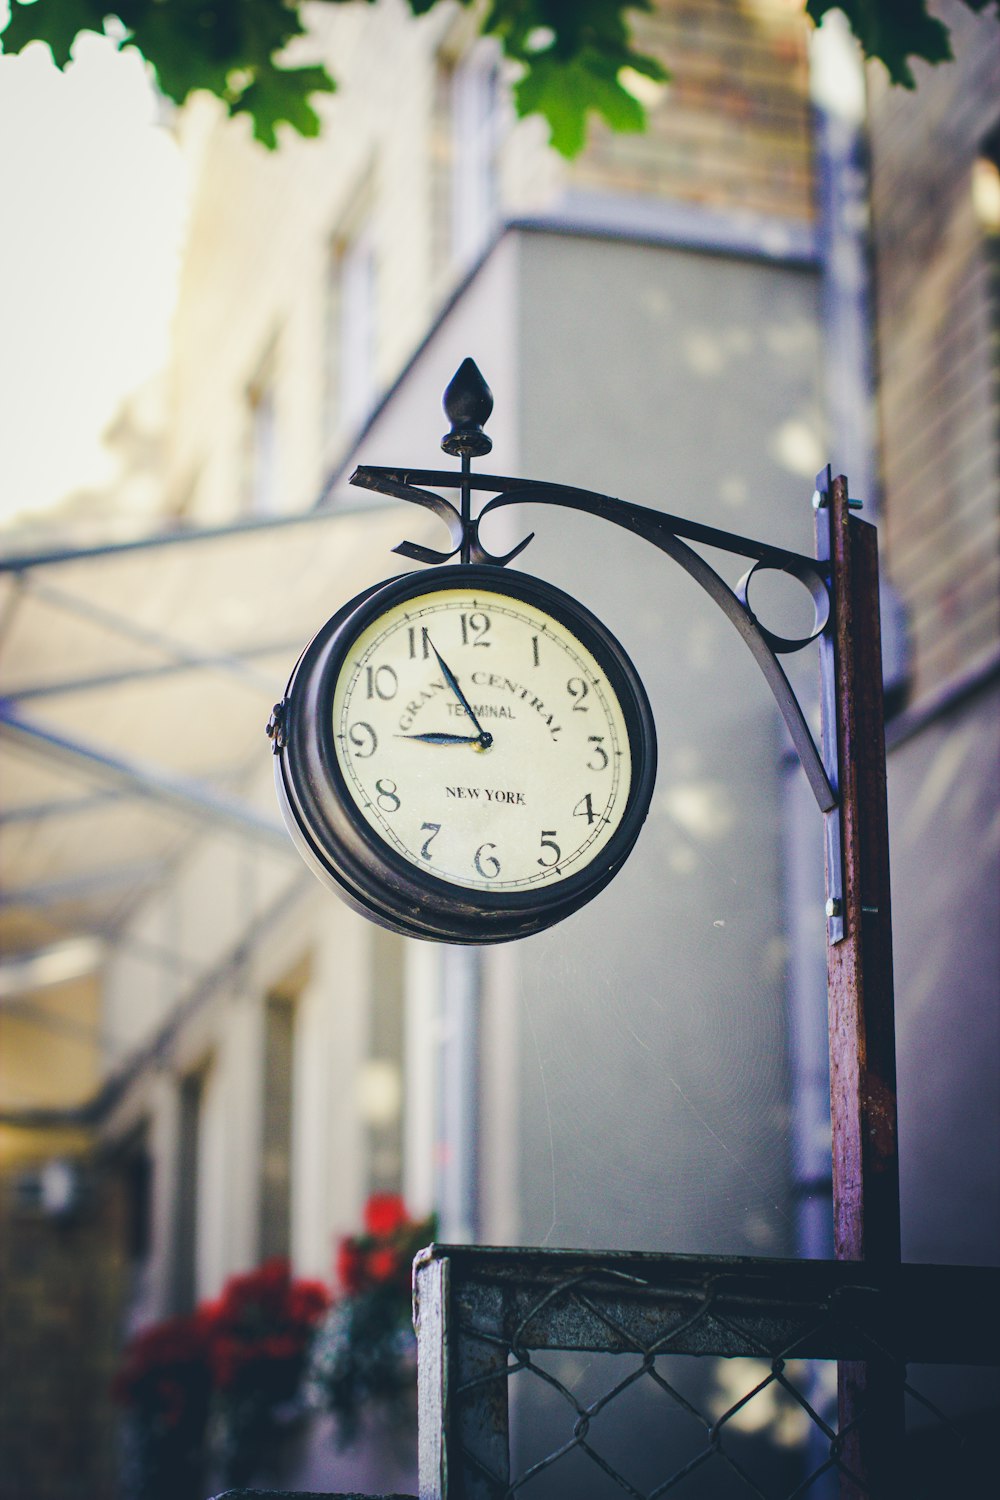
(307, 1302)
(261, 1321)
(350, 1267)
(172, 1398)
(208, 1315)
(254, 1295)
(229, 1356)
(273, 1278)
(281, 1346)
(385, 1215)
(383, 1265)
(160, 1364)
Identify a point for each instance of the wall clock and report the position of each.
(464, 754)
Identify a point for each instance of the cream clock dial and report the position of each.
(466, 754)
(482, 740)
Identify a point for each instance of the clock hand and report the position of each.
(483, 737)
(438, 738)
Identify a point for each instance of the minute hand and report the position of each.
(484, 736)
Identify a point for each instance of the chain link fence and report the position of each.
(557, 1374)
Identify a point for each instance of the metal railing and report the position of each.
(660, 1330)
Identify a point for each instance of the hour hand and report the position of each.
(437, 738)
(483, 738)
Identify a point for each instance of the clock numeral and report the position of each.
(435, 829)
(491, 859)
(597, 740)
(534, 651)
(381, 682)
(475, 628)
(387, 799)
(578, 689)
(548, 842)
(585, 809)
(425, 645)
(364, 739)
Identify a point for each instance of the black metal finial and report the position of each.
(467, 403)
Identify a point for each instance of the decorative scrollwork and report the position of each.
(468, 404)
(818, 590)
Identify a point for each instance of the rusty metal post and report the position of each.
(859, 981)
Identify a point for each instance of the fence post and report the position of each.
(461, 1386)
(859, 984)
(431, 1309)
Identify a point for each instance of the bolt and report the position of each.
(835, 907)
(275, 727)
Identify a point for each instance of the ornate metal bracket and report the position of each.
(468, 403)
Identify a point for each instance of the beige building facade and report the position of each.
(655, 322)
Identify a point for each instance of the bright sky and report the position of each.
(91, 217)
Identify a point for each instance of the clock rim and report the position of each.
(348, 853)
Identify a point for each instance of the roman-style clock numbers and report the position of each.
(465, 754)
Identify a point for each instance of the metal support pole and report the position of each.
(860, 993)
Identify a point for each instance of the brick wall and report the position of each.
(732, 130)
(60, 1293)
(937, 328)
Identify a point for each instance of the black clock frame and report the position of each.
(468, 403)
(346, 852)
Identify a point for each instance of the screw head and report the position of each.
(835, 907)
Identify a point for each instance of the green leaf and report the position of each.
(893, 31)
(421, 7)
(585, 45)
(56, 24)
(281, 96)
(229, 47)
(571, 51)
(575, 25)
(563, 92)
(202, 44)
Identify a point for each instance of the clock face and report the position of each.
(480, 737)
(466, 754)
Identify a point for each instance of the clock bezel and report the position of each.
(347, 852)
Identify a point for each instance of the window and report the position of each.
(357, 328)
(132, 1164)
(381, 1081)
(137, 1178)
(183, 1291)
(261, 481)
(276, 1143)
(477, 132)
(204, 1169)
(350, 382)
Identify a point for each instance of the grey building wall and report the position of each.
(651, 1026)
(945, 832)
(634, 1073)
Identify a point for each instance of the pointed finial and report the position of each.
(467, 403)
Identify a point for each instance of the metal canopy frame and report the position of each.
(181, 794)
(65, 699)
